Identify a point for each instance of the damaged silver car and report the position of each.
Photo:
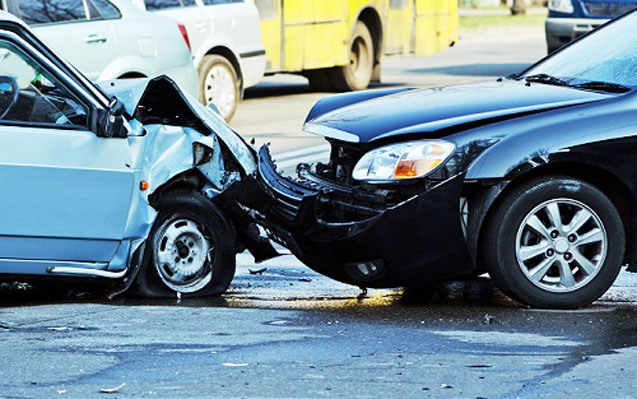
(135, 182)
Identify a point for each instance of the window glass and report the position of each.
(35, 12)
(214, 2)
(608, 55)
(30, 94)
(398, 3)
(102, 9)
(267, 8)
(161, 4)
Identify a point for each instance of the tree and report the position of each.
(519, 7)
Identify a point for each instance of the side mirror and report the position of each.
(110, 123)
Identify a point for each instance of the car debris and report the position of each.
(113, 390)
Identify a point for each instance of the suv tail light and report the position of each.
(184, 33)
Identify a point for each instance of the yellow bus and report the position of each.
(339, 44)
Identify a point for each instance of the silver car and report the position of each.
(111, 39)
(144, 185)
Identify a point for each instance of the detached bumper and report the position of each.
(417, 240)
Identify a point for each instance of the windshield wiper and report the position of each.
(547, 79)
(603, 86)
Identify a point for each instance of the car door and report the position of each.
(90, 45)
(66, 193)
(197, 22)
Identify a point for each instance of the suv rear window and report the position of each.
(35, 12)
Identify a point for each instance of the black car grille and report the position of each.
(608, 9)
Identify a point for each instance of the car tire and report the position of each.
(319, 80)
(358, 73)
(190, 228)
(219, 83)
(568, 264)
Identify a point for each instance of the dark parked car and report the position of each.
(570, 19)
(531, 178)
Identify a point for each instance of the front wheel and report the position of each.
(219, 84)
(190, 249)
(555, 242)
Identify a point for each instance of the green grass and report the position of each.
(483, 21)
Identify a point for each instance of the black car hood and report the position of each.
(441, 109)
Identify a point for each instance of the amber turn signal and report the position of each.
(143, 185)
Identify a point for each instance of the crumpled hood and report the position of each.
(159, 101)
(432, 110)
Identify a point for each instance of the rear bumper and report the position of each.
(560, 31)
(415, 241)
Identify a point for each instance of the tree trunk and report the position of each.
(519, 7)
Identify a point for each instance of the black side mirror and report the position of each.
(110, 123)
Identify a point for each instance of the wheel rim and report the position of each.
(360, 59)
(561, 245)
(220, 89)
(182, 255)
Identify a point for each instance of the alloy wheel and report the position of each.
(561, 245)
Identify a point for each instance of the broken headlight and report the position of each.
(399, 161)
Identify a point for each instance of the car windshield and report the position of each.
(605, 60)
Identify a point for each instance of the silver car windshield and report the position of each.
(606, 56)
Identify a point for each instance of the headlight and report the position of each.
(565, 6)
(402, 161)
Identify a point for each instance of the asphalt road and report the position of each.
(286, 332)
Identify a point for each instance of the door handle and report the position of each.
(95, 38)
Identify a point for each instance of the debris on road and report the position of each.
(305, 279)
(258, 271)
(446, 386)
(235, 364)
(113, 390)
(488, 319)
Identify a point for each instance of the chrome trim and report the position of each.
(330, 132)
(76, 271)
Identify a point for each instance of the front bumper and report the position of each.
(415, 241)
(560, 31)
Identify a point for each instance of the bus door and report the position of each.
(270, 12)
(400, 22)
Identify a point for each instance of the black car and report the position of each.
(531, 178)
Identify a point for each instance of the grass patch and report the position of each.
(486, 21)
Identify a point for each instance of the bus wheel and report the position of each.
(219, 84)
(358, 73)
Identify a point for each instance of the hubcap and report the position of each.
(182, 255)
(220, 89)
(561, 245)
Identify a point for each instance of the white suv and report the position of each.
(111, 39)
(225, 36)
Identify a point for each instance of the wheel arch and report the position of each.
(486, 199)
(132, 75)
(230, 56)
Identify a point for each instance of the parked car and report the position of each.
(134, 182)
(111, 39)
(529, 178)
(225, 36)
(570, 19)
